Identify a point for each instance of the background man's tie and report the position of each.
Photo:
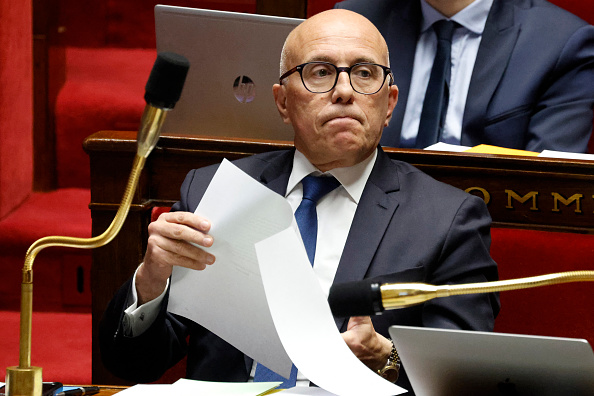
(435, 105)
(314, 188)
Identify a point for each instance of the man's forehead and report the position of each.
(336, 48)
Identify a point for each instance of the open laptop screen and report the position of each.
(467, 363)
(234, 61)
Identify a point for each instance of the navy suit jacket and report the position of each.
(532, 86)
(407, 227)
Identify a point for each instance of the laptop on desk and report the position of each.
(466, 363)
(234, 61)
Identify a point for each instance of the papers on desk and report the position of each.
(441, 146)
(487, 149)
(261, 295)
(187, 387)
(562, 154)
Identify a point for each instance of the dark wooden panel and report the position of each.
(49, 68)
(286, 8)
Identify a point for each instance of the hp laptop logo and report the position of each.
(244, 89)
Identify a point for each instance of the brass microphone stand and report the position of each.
(24, 379)
(401, 295)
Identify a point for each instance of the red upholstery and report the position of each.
(60, 212)
(104, 90)
(16, 100)
(558, 310)
(581, 8)
(26, 216)
(125, 24)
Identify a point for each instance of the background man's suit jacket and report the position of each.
(532, 86)
(407, 227)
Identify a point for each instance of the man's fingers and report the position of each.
(190, 219)
(167, 251)
(184, 227)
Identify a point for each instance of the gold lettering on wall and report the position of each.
(531, 195)
(558, 197)
(486, 195)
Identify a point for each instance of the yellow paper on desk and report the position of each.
(488, 149)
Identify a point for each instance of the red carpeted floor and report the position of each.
(61, 345)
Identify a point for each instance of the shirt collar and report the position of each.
(352, 178)
(473, 17)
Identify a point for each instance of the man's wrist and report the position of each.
(391, 369)
(147, 289)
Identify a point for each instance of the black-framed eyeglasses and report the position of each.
(320, 77)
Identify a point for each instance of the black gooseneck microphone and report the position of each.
(166, 81)
(368, 297)
(362, 298)
(163, 90)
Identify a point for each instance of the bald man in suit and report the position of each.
(385, 221)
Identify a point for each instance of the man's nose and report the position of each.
(343, 89)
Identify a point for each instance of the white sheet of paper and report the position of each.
(305, 324)
(306, 391)
(228, 297)
(147, 390)
(441, 146)
(186, 387)
(563, 154)
(183, 387)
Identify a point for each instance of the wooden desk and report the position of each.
(523, 192)
(108, 390)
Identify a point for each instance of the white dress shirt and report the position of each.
(465, 45)
(335, 211)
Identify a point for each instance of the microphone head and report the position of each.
(167, 78)
(362, 298)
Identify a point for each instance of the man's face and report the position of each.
(340, 127)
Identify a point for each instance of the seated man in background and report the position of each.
(521, 76)
(381, 218)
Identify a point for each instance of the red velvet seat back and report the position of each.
(125, 24)
(559, 310)
(16, 102)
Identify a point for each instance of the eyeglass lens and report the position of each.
(321, 77)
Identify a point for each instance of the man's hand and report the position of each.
(169, 245)
(371, 348)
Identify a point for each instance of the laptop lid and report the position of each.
(234, 61)
(466, 363)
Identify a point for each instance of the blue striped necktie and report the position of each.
(314, 188)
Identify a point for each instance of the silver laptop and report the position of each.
(234, 61)
(465, 363)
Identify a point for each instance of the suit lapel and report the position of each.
(401, 32)
(374, 213)
(276, 174)
(499, 38)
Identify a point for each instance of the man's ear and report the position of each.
(392, 100)
(280, 98)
